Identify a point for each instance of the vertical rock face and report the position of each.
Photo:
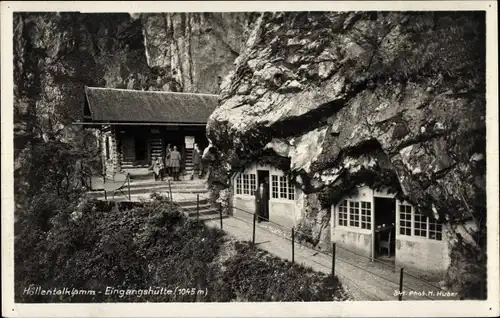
(198, 49)
(395, 99)
(56, 55)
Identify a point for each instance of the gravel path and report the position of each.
(362, 279)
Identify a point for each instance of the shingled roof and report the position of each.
(123, 105)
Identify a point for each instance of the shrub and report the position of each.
(153, 245)
(255, 275)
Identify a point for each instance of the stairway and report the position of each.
(203, 210)
(188, 172)
(185, 193)
(156, 147)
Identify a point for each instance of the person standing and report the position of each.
(262, 201)
(197, 167)
(175, 162)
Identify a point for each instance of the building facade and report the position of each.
(371, 222)
(134, 127)
(363, 223)
(283, 195)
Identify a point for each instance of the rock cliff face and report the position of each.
(395, 99)
(56, 55)
(198, 49)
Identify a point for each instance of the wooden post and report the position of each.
(220, 213)
(334, 249)
(293, 245)
(170, 189)
(254, 221)
(105, 195)
(197, 206)
(128, 184)
(401, 284)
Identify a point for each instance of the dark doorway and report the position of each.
(141, 149)
(263, 175)
(385, 228)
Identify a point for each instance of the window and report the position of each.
(420, 224)
(358, 213)
(435, 230)
(291, 193)
(253, 184)
(238, 184)
(413, 223)
(281, 188)
(366, 215)
(405, 219)
(343, 213)
(246, 183)
(274, 186)
(354, 213)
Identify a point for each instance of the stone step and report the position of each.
(205, 215)
(165, 189)
(192, 203)
(192, 212)
(145, 192)
(179, 198)
(196, 183)
(210, 217)
(131, 166)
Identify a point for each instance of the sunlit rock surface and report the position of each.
(381, 98)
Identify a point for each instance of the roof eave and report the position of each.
(118, 123)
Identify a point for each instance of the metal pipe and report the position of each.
(220, 213)
(293, 245)
(128, 185)
(170, 190)
(198, 206)
(334, 249)
(401, 284)
(253, 234)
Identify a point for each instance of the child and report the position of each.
(157, 167)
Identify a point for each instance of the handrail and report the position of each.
(324, 253)
(119, 188)
(122, 186)
(309, 247)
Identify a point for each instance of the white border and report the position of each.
(374, 309)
